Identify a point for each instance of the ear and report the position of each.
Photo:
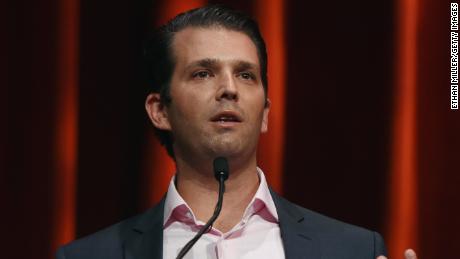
(264, 127)
(157, 111)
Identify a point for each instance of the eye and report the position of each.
(202, 74)
(247, 76)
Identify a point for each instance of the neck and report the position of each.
(199, 188)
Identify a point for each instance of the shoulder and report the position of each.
(325, 225)
(334, 237)
(106, 243)
(109, 242)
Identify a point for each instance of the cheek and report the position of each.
(185, 112)
(257, 125)
(257, 106)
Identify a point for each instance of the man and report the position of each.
(209, 99)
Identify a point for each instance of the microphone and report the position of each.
(220, 168)
(221, 173)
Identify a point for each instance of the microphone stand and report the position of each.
(221, 174)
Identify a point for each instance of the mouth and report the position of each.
(227, 119)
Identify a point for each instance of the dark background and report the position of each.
(340, 99)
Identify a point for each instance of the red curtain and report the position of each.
(270, 15)
(437, 135)
(422, 183)
(66, 124)
(402, 188)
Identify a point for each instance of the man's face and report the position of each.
(218, 101)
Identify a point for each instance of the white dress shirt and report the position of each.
(257, 235)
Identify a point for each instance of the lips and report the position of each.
(227, 117)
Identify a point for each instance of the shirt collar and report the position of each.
(262, 204)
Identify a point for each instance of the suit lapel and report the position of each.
(299, 240)
(148, 240)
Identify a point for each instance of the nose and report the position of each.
(227, 88)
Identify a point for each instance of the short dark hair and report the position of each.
(160, 61)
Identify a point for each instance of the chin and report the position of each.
(227, 148)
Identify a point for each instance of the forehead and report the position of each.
(195, 43)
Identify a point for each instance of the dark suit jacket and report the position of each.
(305, 234)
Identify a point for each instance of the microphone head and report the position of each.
(221, 168)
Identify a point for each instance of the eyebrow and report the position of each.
(213, 63)
(244, 65)
(207, 63)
